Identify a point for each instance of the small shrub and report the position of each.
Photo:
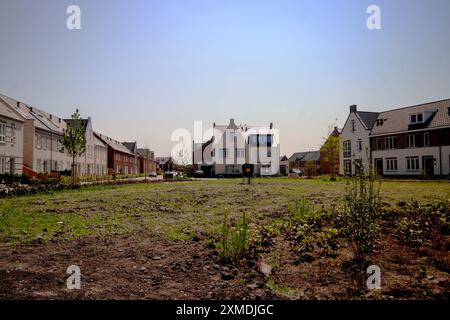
(234, 240)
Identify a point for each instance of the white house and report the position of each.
(11, 138)
(233, 145)
(355, 140)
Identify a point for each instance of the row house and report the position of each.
(94, 161)
(233, 145)
(41, 141)
(119, 158)
(413, 141)
(132, 147)
(409, 141)
(11, 137)
(147, 162)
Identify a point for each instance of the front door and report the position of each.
(428, 165)
(379, 166)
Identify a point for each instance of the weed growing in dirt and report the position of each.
(234, 240)
(360, 226)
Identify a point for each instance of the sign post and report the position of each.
(247, 171)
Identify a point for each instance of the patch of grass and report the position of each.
(234, 240)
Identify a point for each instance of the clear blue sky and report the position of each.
(141, 69)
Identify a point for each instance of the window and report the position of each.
(379, 147)
(352, 123)
(360, 145)
(347, 167)
(391, 164)
(426, 139)
(390, 143)
(240, 153)
(416, 118)
(2, 131)
(411, 140)
(412, 163)
(347, 149)
(3, 163)
(253, 139)
(13, 133)
(224, 153)
(269, 152)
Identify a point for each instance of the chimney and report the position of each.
(271, 125)
(353, 108)
(232, 121)
(51, 117)
(18, 104)
(214, 124)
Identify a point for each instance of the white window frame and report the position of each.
(411, 140)
(347, 167)
(347, 148)
(426, 139)
(2, 132)
(412, 164)
(390, 143)
(391, 164)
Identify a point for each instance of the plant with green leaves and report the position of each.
(234, 242)
(360, 214)
(74, 141)
(330, 150)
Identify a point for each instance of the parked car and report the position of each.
(220, 176)
(152, 174)
(168, 175)
(298, 171)
(199, 174)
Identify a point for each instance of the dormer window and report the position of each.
(416, 118)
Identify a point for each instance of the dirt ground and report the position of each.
(158, 244)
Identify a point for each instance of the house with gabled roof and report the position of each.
(355, 141)
(42, 132)
(120, 159)
(11, 138)
(300, 160)
(412, 141)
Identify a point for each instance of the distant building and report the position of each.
(233, 145)
(300, 160)
(164, 164)
(132, 147)
(325, 166)
(284, 166)
(120, 159)
(147, 162)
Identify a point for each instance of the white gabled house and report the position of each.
(355, 141)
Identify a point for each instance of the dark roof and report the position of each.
(368, 118)
(132, 146)
(116, 145)
(84, 122)
(305, 156)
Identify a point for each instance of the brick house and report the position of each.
(147, 162)
(300, 160)
(412, 141)
(120, 159)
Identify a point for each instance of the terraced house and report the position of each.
(413, 141)
(409, 141)
(11, 138)
(119, 158)
(42, 149)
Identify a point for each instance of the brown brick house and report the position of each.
(120, 159)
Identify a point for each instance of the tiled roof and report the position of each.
(9, 111)
(131, 146)
(305, 156)
(116, 145)
(398, 120)
(45, 121)
(368, 118)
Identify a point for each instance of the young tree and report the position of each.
(74, 141)
(330, 150)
